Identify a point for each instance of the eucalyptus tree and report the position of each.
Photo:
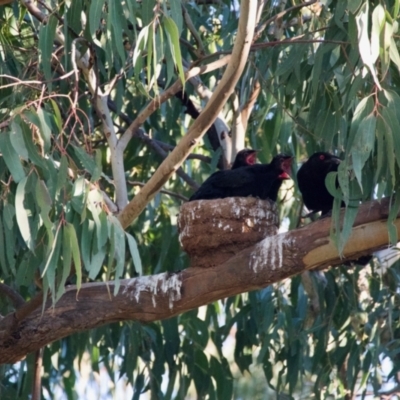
(112, 114)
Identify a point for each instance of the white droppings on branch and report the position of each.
(270, 252)
(166, 283)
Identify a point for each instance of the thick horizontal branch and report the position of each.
(161, 296)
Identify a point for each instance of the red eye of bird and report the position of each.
(322, 157)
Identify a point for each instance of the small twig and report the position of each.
(248, 107)
(168, 192)
(297, 41)
(16, 299)
(193, 30)
(261, 28)
(20, 82)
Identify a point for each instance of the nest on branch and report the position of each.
(212, 231)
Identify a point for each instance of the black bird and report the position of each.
(311, 179)
(244, 158)
(258, 180)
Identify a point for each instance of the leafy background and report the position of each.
(329, 80)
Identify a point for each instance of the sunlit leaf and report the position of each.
(173, 38)
(364, 44)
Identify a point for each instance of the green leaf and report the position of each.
(45, 130)
(150, 47)
(394, 53)
(53, 256)
(86, 241)
(95, 201)
(364, 108)
(392, 230)
(96, 262)
(75, 254)
(133, 248)
(62, 173)
(343, 179)
(396, 9)
(114, 20)
(364, 45)
(391, 116)
(140, 45)
(78, 200)
(173, 38)
(331, 184)
(33, 151)
(45, 46)
(57, 115)
(176, 14)
(385, 48)
(363, 145)
(147, 11)
(11, 157)
(378, 22)
(119, 235)
(17, 140)
(95, 13)
(66, 258)
(111, 250)
(87, 161)
(44, 202)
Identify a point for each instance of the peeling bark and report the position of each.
(162, 296)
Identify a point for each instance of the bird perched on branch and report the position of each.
(311, 179)
(258, 180)
(244, 158)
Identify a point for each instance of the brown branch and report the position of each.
(193, 31)
(248, 107)
(37, 375)
(264, 45)
(165, 295)
(204, 121)
(16, 299)
(261, 28)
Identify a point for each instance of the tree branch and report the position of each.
(16, 299)
(261, 28)
(248, 107)
(162, 296)
(204, 121)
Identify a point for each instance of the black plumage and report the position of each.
(258, 180)
(311, 180)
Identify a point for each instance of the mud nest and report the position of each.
(212, 231)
